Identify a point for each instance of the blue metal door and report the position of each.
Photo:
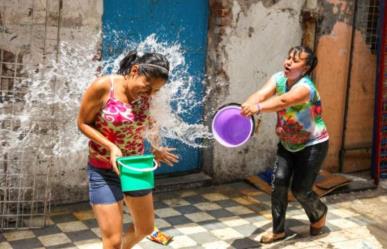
(182, 21)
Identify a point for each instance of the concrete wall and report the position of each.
(33, 30)
(248, 41)
(31, 26)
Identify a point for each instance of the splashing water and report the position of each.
(178, 92)
(46, 125)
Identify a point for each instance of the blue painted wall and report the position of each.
(182, 21)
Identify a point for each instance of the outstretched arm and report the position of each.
(297, 95)
(249, 107)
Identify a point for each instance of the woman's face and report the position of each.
(295, 65)
(144, 86)
(147, 86)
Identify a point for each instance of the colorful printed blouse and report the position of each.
(300, 125)
(123, 124)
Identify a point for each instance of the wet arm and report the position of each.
(295, 96)
(91, 104)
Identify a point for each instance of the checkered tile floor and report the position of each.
(226, 216)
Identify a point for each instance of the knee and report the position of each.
(300, 195)
(114, 241)
(279, 179)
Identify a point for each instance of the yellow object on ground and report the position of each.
(159, 237)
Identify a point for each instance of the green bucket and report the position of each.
(136, 172)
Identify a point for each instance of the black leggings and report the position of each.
(300, 169)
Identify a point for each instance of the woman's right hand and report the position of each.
(164, 155)
(249, 109)
(115, 152)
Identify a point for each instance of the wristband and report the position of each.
(258, 107)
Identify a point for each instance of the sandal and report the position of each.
(271, 237)
(316, 227)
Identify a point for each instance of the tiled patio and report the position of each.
(214, 217)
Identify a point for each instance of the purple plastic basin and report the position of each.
(230, 128)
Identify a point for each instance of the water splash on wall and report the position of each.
(46, 123)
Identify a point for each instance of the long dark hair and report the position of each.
(152, 65)
(311, 61)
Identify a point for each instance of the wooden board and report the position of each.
(325, 184)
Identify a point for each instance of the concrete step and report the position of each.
(188, 181)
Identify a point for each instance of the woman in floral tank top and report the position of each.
(303, 138)
(114, 114)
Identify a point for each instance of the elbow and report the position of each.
(283, 104)
(80, 124)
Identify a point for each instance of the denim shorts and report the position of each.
(105, 187)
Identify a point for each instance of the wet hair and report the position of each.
(311, 61)
(152, 65)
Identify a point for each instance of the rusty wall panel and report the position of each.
(347, 69)
(331, 74)
(360, 108)
(359, 122)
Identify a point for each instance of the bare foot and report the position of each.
(271, 237)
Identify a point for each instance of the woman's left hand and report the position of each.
(164, 155)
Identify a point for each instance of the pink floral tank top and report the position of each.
(123, 124)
